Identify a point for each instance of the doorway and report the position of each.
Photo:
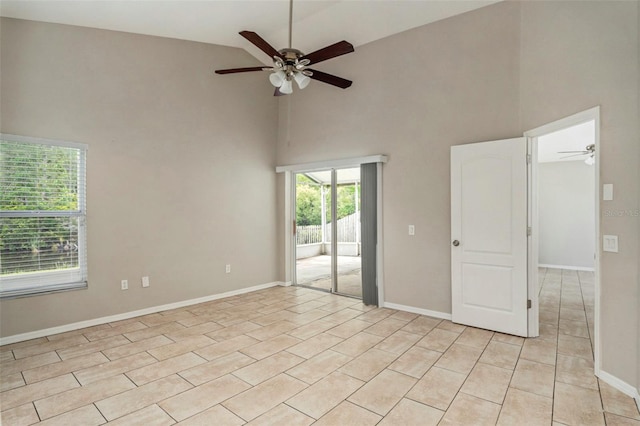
(327, 231)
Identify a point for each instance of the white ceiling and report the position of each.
(574, 138)
(317, 23)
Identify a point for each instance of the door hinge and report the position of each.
(528, 231)
(528, 158)
(528, 303)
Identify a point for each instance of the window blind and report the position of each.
(42, 216)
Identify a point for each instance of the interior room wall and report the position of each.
(488, 74)
(178, 184)
(566, 198)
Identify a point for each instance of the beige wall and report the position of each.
(180, 163)
(488, 74)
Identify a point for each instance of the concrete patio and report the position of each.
(316, 272)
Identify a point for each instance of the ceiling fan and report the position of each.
(589, 150)
(290, 64)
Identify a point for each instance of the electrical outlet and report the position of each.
(145, 281)
(124, 285)
(227, 269)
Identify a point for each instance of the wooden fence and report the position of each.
(347, 231)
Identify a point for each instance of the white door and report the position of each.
(489, 235)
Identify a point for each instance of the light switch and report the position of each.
(412, 230)
(607, 192)
(610, 243)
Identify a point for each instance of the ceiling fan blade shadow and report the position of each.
(260, 43)
(236, 70)
(330, 79)
(337, 49)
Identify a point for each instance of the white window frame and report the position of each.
(33, 283)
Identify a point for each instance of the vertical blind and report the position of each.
(42, 216)
(369, 224)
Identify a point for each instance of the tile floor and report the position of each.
(294, 356)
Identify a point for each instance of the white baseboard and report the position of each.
(622, 386)
(119, 317)
(570, 268)
(420, 311)
(285, 283)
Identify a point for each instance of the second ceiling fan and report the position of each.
(290, 64)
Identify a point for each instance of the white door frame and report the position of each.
(592, 114)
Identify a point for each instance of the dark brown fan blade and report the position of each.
(260, 43)
(338, 49)
(234, 70)
(330, 79)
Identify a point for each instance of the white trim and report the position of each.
(570, 268)
(533, 314)
(119, 317)
(420, 311)
(380, 242)
(52, 142)
(332, 164)
(620, 385)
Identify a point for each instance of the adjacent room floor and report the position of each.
(295, 356)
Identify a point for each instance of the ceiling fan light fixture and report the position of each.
(286, 88)
(302, 80)
(277, 78)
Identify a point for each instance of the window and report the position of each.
(42, 216)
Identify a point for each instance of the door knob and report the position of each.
(456, 243)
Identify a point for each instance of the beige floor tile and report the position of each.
(17, 366)
(469, 410)
(265, 396)
(548, 332)
(24, 344)
(409, 413)
(11, 381)
(22, 415)
(575, 346)
(574, 405)
(321, 397)
(507, 338)
(91, 347)
(268, 367)
(615, 402)
(386, 327)
(188, 344)
(269, 347)
(217, 368)
(502, 355)
(163, 318)
(314, 345)
(113, 368)
(421, 325)
(59, 368)
(41, 348)
(534, 377)
(233, 331)
(281, 415)
(342, 315)
(75, 398)
(488, 382)
(437, 388)
(149, 373)
(539, 351)
(8, 356)
(216, 415)
(319, 366)
(459, 358)
(306, 307)
(476, 337)
(376, 315)
(349, 328)
(548, 316)
(519, 405)
(348, 414)
(415, 362)
(450, 326)
(383, 392)
(138, 398)
(572, 314)
(226, 347)
(574, 328)
(201, 398)
(404, 316)
(357, 344)
(147, 333)
(151, 415)
(369, 364)
(85, 416)
(137, 347)
(309, 330)
(576, 371)
(275, 317)
(272, 330)
(204, 328)
(39, 390)
(104, 332)
(616, 420)
(398, 342)
(438, 340)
